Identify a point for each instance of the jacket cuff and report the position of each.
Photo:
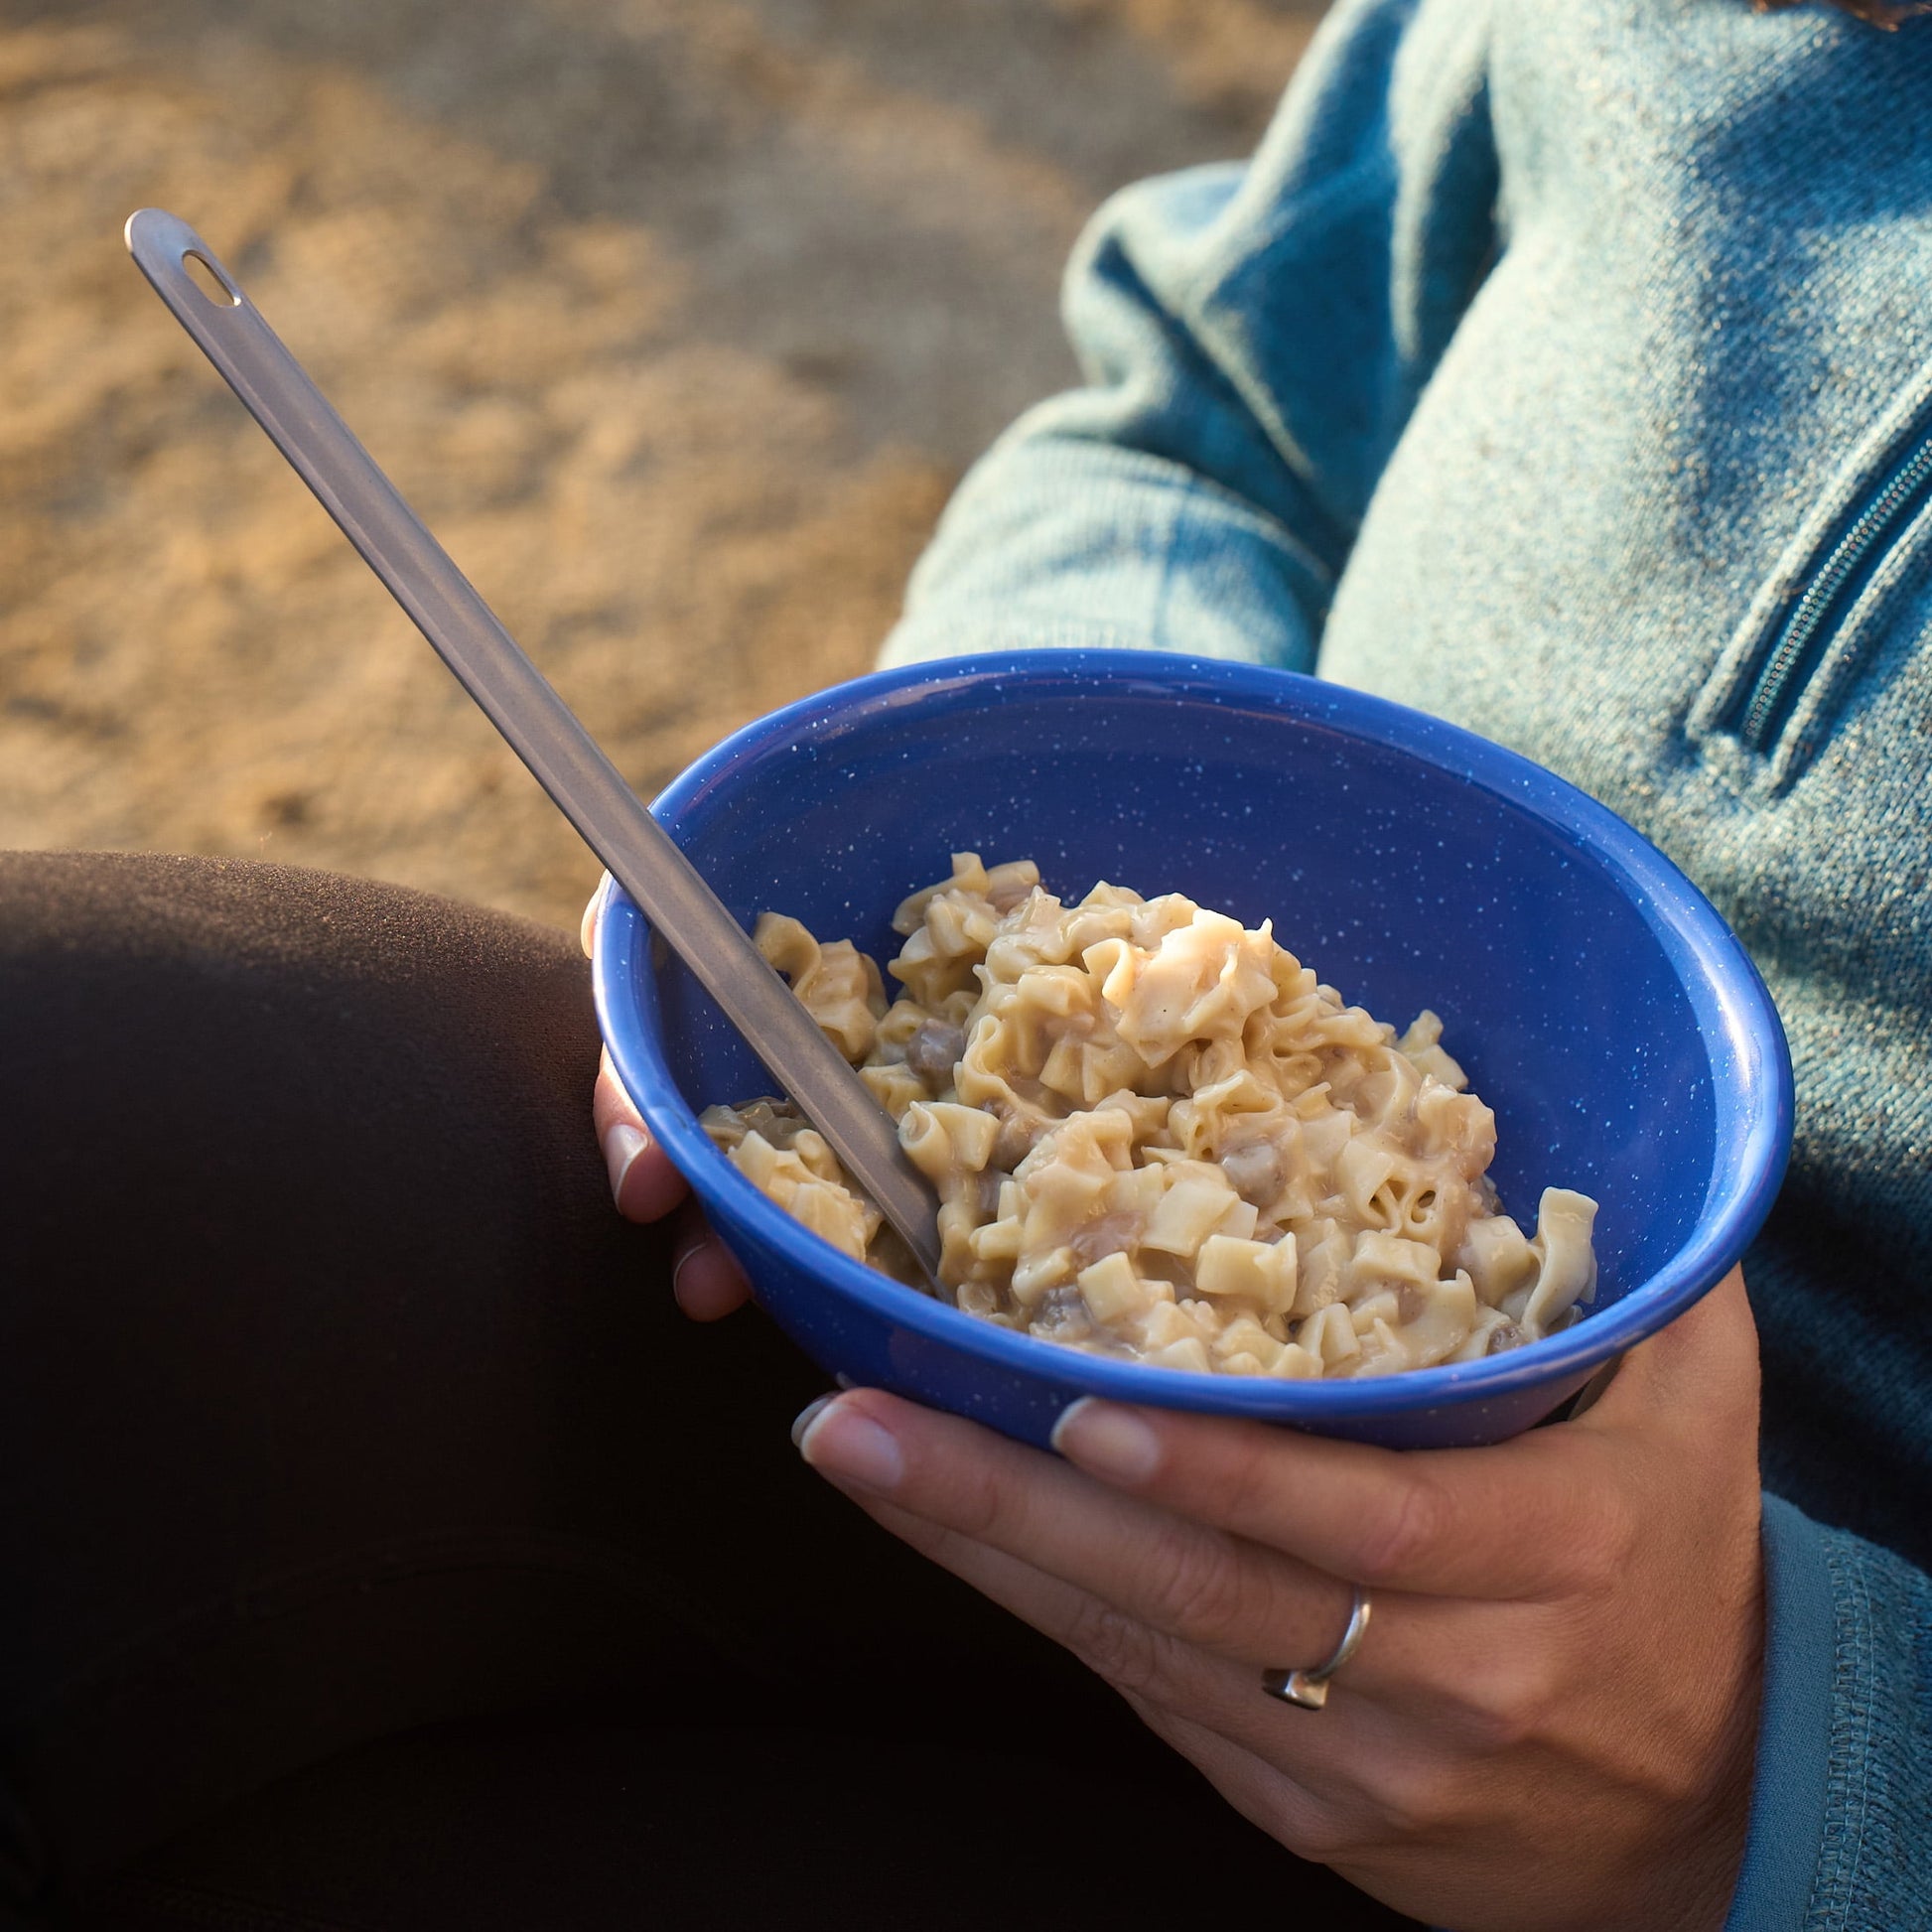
(1788, 1796)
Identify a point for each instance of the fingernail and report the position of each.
(623, 1143)
(1108, 1440)
(677, 1270)
(838, 1441)
(807, 1414)
(586, 925)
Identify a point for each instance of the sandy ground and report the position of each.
(677, 319)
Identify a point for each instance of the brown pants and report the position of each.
(378, 1547)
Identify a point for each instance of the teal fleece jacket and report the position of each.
(1564, 368)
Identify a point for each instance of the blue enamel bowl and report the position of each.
(1598, 1001)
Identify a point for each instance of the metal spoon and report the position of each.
(541, 728)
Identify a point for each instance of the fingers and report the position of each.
(705, 1280)
(644, 1183)
(611, 1106)
(1436, 1686)
(1183, 1582)
(586, 925)
(1437, 1682)
(1531, 1517)
(706, 1283)
(1310, 1780)
(1547, 1514)
(1165, 1679)
(1149, 1665)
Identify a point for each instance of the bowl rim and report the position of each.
(1729, 994)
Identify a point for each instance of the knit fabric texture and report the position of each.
(1567, 372)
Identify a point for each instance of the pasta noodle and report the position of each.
(1154, 1134)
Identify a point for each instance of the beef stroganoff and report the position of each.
(1154, 1134)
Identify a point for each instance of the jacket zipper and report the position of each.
(1800, 648)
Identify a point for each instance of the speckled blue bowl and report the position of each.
(1599, 1004)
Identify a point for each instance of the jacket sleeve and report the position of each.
(1843, 1787)
(1251, 340)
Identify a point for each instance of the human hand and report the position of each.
(705, 1280)
(1550, 1721)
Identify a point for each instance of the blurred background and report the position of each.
(676, 319)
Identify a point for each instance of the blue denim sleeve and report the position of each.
(1844, 1788)
(1252, 340)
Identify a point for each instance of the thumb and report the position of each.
(1699, 1374)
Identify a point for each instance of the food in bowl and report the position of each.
(1155, 1135)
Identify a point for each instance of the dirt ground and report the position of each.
(677, 319)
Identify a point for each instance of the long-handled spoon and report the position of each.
(541, 728)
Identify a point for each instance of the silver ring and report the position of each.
(1310, 1687)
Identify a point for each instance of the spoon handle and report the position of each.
(541, 728)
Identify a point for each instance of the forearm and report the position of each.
(1251, 340)
(1057, 544)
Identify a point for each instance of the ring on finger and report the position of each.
(1310, 1687)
